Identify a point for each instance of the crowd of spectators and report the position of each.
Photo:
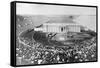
(37, 53)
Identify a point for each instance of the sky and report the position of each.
(41, 9)
(87, 15)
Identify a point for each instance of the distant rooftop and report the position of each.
(61, 23)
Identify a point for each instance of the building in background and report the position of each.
(59, 27)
